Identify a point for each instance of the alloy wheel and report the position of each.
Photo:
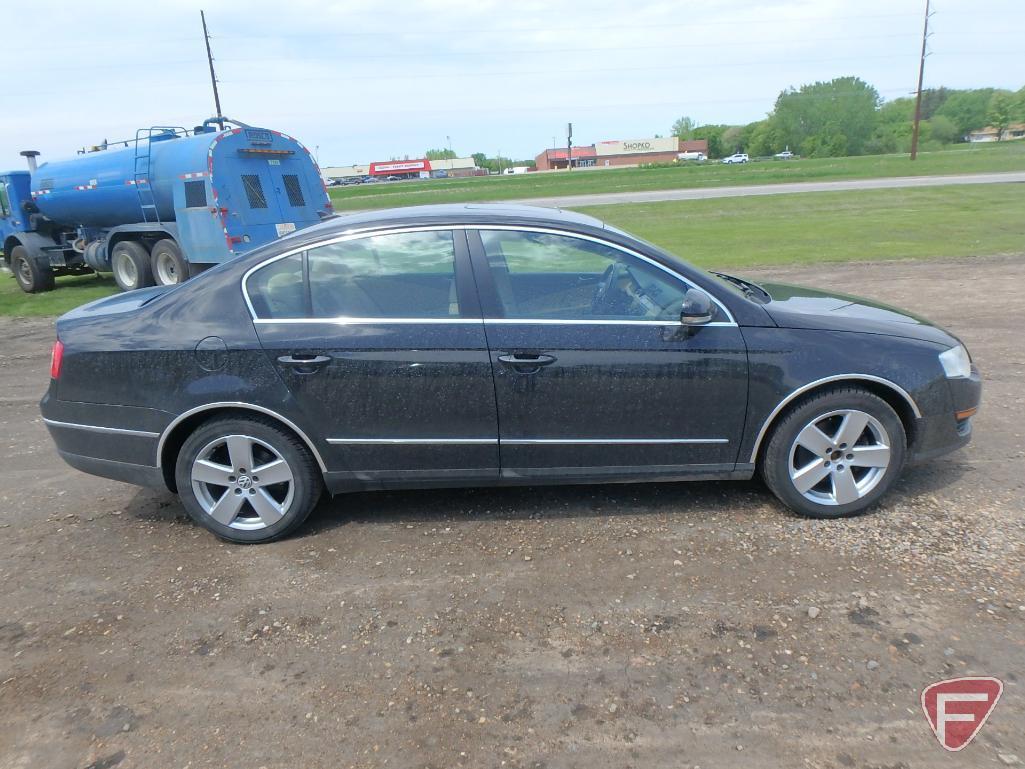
(242, 482)
(839, 457)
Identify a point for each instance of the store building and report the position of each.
(421, 168)
(632, 152)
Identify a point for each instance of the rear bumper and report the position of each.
(109, 441)
(140, 475)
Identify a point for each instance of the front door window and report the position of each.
(557, 277)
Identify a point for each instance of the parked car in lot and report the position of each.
(700, 157)
(737, 157)
(784, 155)
(490, 345)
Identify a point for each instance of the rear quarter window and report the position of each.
(277, 291)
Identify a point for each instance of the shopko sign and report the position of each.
(637, 146)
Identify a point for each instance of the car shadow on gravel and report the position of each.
(695, 498)
(683, 500)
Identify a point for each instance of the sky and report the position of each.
(359, 80)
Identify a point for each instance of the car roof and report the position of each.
(462, 213)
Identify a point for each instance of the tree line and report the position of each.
(846, 116)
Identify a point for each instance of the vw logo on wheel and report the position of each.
(244, 481)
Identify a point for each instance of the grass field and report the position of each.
(1005, 156)
(745, 232)
(832, 226)
(71, 292)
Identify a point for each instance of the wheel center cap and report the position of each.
(836, 455)
(244, 481)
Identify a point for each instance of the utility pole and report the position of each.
(213, 77)
(921, 77)
(569, 146)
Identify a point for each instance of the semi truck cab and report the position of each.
(33, 248)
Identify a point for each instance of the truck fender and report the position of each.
(33, 242)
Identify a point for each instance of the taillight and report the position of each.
(56, 359)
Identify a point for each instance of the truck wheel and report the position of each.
(129, 262)
(169, 266)
(30, 274)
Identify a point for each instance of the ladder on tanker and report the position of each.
(141, 175)
(141, 169)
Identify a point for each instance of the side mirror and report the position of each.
(697, 308)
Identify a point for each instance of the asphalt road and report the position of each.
(593, 627)
(577, 201)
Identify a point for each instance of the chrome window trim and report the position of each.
(100, 429)
(367, 233)
(826, 380)
(348, 321)
(236, 405)
(345, 321)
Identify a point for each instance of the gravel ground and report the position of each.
(676, 625)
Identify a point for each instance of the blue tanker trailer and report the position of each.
(157, 208)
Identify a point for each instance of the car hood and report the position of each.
(801, 307)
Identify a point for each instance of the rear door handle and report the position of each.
(305, 364)
(526, 363)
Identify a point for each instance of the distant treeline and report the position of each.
(846, 116)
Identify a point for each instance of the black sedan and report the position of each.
(492, 345)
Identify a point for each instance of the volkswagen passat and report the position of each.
(490, 345)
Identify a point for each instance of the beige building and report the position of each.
(989, 133)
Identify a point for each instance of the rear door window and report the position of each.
(404, 275)
(399, 275)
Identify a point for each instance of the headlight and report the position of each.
(956, 362)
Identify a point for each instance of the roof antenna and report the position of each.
(213, 77)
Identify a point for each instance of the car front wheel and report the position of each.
(835, 453)
(247, 480)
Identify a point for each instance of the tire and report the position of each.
(238, 506)
(836, 471)
(129, 261)
(31, 276)
(167, 263)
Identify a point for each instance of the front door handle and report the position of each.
(526, 363)
(305, 364)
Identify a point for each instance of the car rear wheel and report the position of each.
(129, 262)
(32, 277)
(247, 480)
(835, 453)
